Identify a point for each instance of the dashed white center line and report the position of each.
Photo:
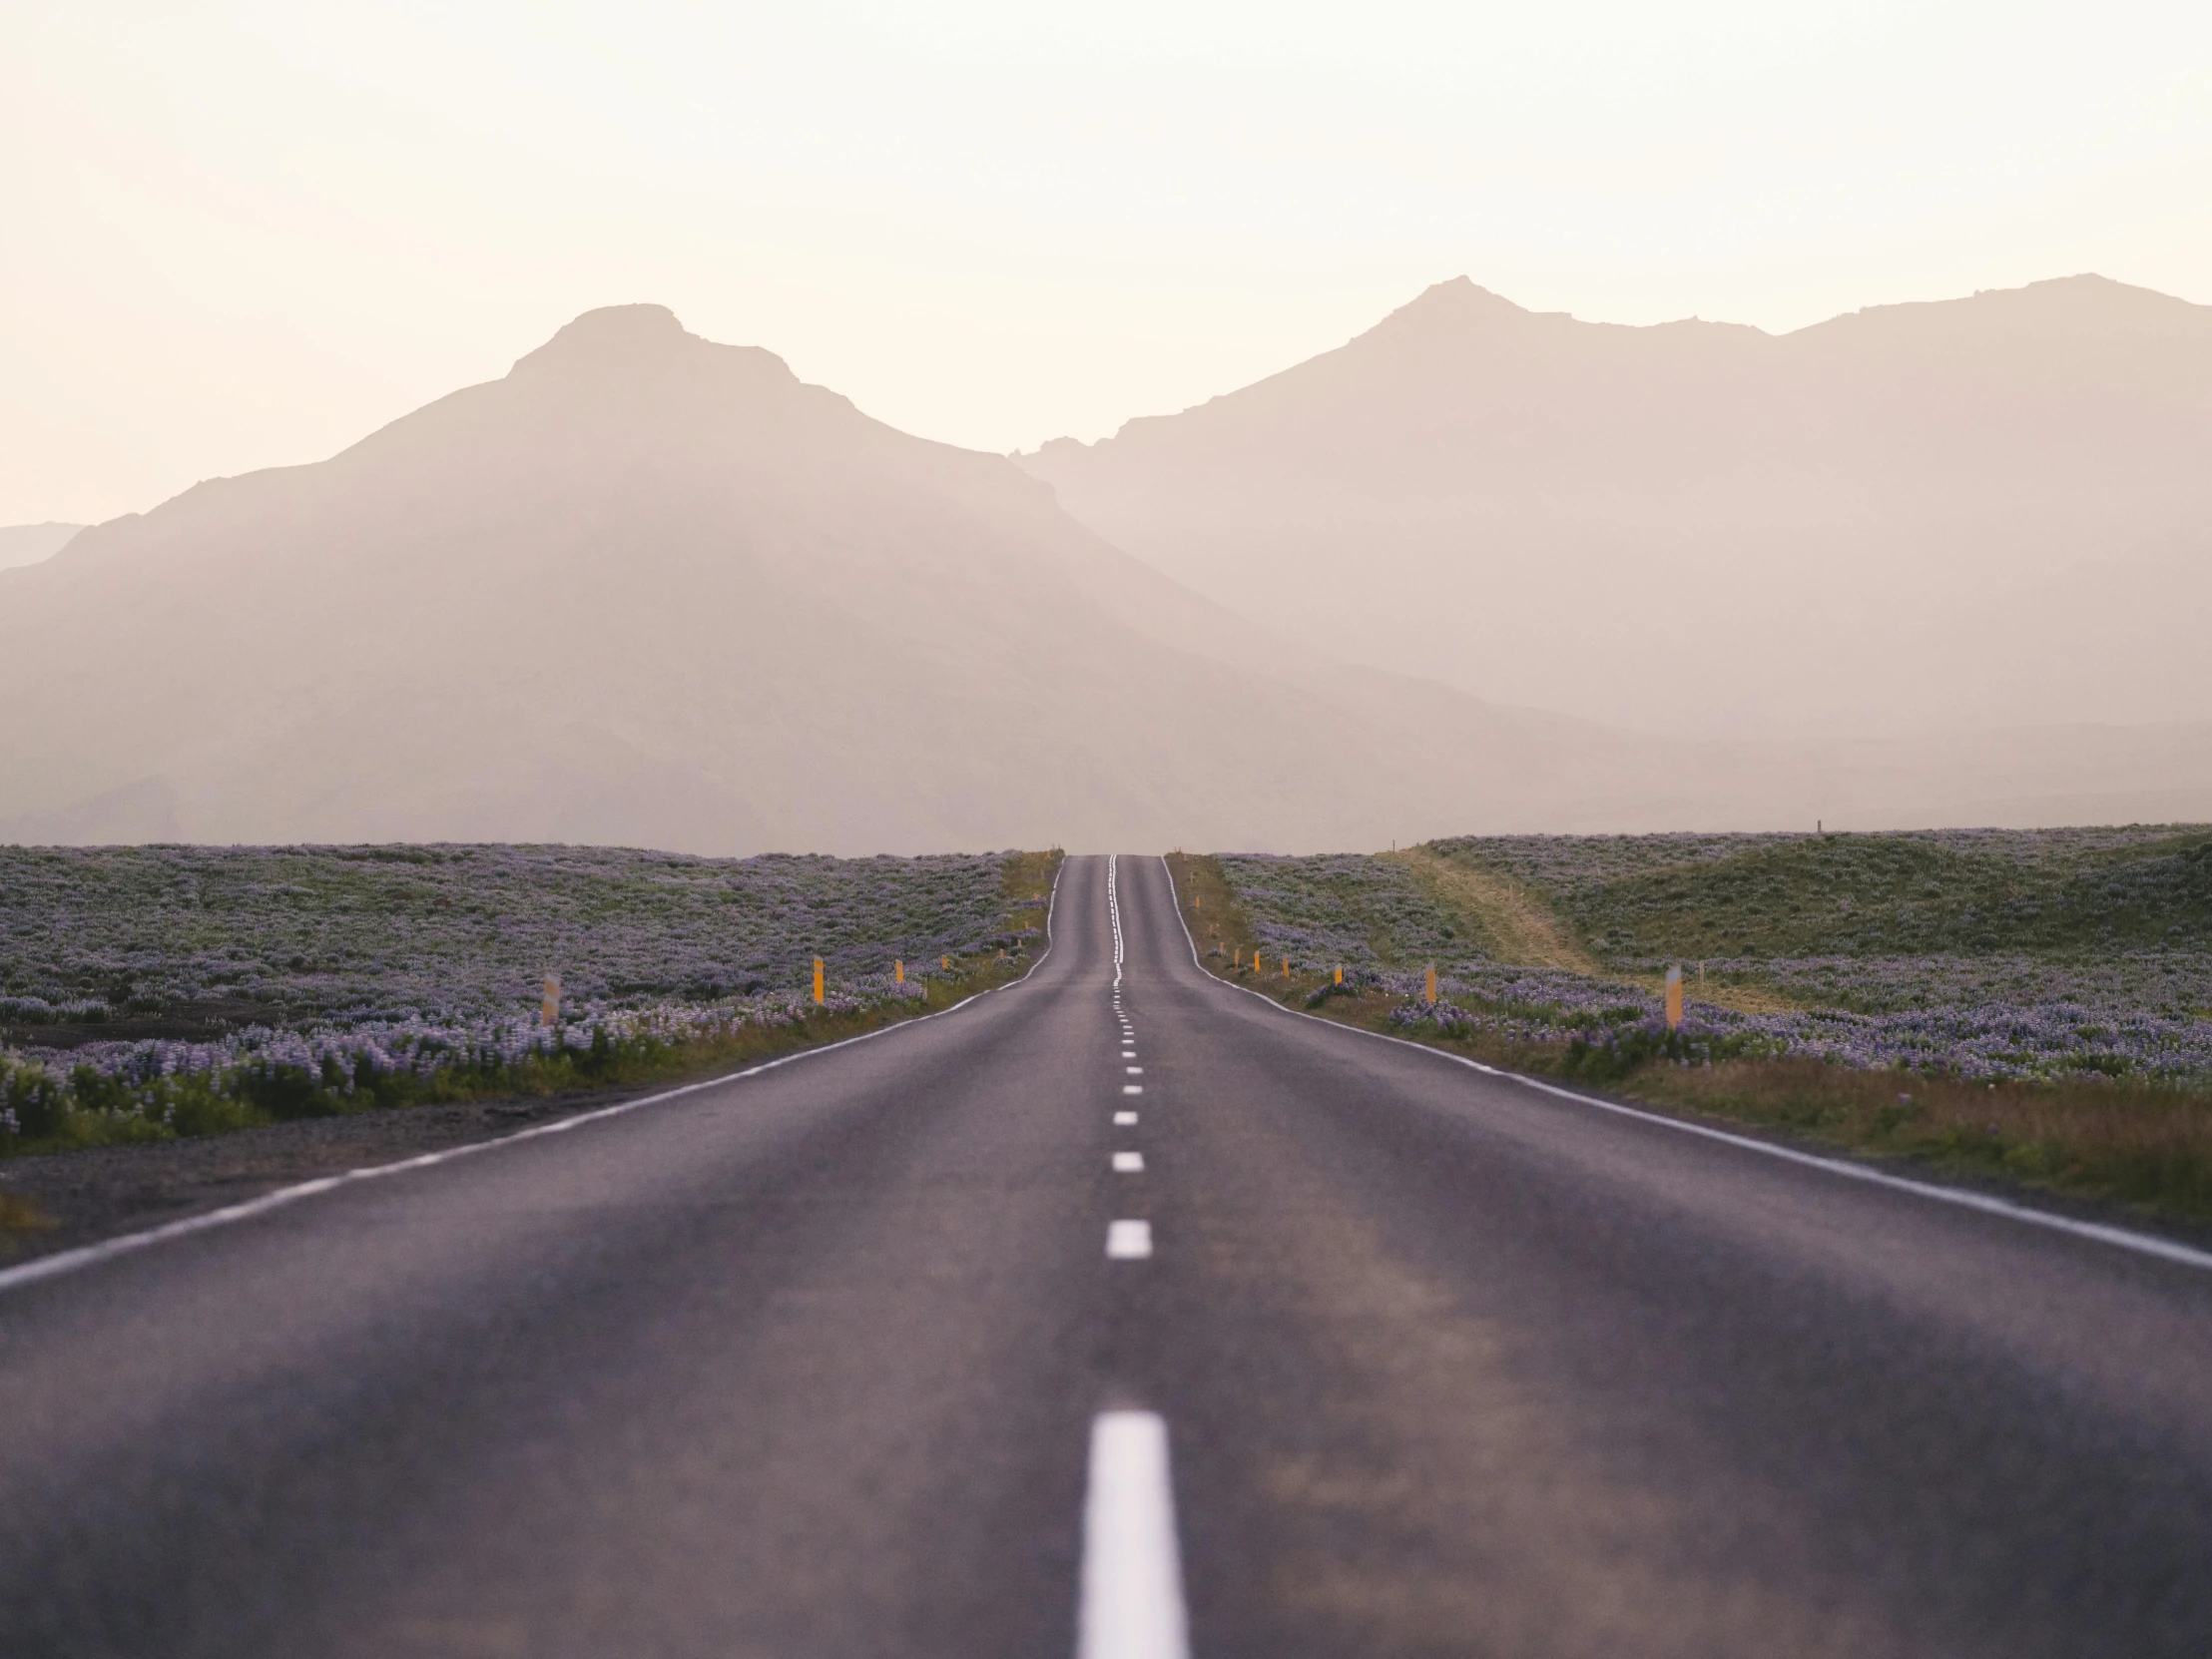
(1132, 1590)
(1128, 1241)
(1132, 1606)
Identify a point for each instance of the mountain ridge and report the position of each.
(1820, 517)
(651, 590)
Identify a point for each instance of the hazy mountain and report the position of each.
(1993, 510)
(27, 544)
(651, 590)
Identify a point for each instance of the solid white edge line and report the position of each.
(85, 1256)
(2145, 1244)
(1132, 1588)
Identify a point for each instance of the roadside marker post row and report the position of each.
(2121, 1238)
(62, 1262)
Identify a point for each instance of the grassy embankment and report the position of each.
(82, 1109)
(2143, 1143)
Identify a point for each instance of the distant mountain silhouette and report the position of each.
(1986, 510)
(27, 544)
(651, 590)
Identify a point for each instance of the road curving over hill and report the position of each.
(1117, 1302)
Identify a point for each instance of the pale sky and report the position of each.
(238, 233)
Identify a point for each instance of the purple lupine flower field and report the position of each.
(135, 977)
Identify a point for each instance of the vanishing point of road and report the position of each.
(1115, 1313)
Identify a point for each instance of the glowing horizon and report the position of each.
(247, 236)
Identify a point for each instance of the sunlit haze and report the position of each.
(1137, 832)
(241, 235)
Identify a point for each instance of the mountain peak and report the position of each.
(1457, 296)
(611, 337)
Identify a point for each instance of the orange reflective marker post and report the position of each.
(1339, 976)
(1285, 967)
(1256, 961)
(818, 978)
(947, 961)
(1432, 987)
(550, 1014)
(1674, 999)
(898, 972)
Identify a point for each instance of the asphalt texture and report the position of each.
(805, 1364)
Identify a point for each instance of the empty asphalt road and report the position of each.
(1386, 1357)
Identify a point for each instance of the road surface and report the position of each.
(1386, 1358)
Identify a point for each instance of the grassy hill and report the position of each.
(2058, 893)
